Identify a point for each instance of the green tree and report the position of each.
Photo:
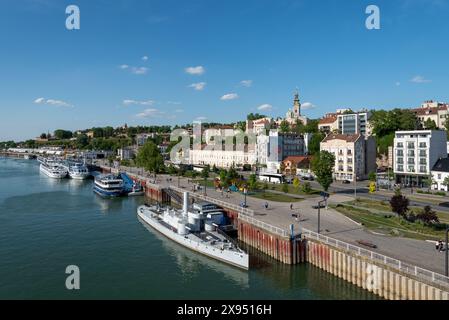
(284, 126)
(323, 167)
(285, 188)
(306, 188)
(82, 141)
(372, 176)
(108, 132)
(63, 134)
(255, 116)
(428, 216)
(252, 182)
(399, 203)
(314, 143)
(43, 136)
(150, 158)
(430, 124)
(446, 182)
(265, 186)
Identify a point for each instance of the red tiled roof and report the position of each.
(344, 137)
(328, 119)
(297, 159)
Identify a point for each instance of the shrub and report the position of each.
(428, 216)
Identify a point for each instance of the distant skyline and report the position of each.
(173, 62)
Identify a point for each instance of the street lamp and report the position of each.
(447, 253)
(245, 191)
(325, 196)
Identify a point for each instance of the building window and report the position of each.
(411, 153)
(400, 168)
(439, 176)
(411, 160)
(423, 145)
(411, 145)
(400, 160)
(400, 153)
(399, 145)
(422, 153)
(422, 169)
(411, 168)
(422, 161)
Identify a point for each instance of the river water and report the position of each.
(46, 225)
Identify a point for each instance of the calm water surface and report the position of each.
(46, 225)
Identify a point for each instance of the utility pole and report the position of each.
(447, 253)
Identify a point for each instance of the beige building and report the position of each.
(436, 111)
(355, 156)
(222, 158)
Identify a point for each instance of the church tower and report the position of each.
(296, 105)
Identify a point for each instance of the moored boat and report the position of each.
(52, 168)
(195, 231)
(109, 186)
(78, 171)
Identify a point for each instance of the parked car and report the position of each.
(346, 182)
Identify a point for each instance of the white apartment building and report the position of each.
(354, 156)
(415, 153)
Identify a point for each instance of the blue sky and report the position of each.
(53, 78)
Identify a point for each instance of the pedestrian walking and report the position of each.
(291, 206)
(266, 205)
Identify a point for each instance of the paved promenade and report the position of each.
(334, 224)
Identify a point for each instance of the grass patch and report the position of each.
(269, 196)
(291, 189)
(385, 207)
(388, 223)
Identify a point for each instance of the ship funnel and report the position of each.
(185, 206)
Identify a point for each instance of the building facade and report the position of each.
(415, 153)
(440, 175)
(435, 111)
(346, 122)
(355, 156)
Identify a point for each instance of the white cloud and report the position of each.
(124, 66)
(145, 58)
(139, 70)
(199, 70)
(128, 102)
(201, 118)
(307, 105)
(198, 86)
(419, 79)
(246, 83)
(150, 113)
(179, 110)
(229, 96)
(52, 102)
(397, 84)
(174, 102)
(265, 107)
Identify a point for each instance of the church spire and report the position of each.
(297, 104)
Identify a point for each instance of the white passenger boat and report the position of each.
(52, 168)
(78, 171)
(195, 231)
(109, 185)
